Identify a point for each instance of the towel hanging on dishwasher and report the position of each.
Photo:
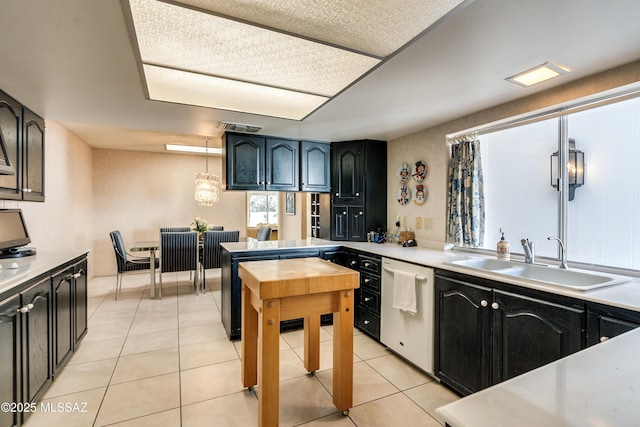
(404, 291)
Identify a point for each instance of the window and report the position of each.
(262, 208)
(600, 225)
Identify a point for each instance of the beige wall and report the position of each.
(430, 145)
(137, 193)
(64, 219)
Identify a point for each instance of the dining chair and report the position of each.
(264, 233)
(211, 255)
(174, 229)
(125, 262)
(179, 252)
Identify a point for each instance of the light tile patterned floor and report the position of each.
(168, 363)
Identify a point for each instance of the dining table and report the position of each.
(150, 246)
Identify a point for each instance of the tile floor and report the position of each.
(168, 363)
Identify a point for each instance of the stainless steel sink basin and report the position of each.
(573, 279)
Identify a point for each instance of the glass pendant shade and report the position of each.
(207, 189)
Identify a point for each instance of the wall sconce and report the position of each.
(575, 169)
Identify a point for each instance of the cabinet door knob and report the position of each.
(484, 303)
(367, 299)
(366, 322)
(495, 305)
(367, 280)
(337, 194)
(344, 212)
(603, 338)
(354, 262)
(357, 194)
(23, 309)
(360, 212)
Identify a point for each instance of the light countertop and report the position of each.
(625, 295)
(596, 387)
(31, 267)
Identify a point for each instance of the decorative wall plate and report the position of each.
(403, 195)
(403, 172)
(420, 195)
(419, 171)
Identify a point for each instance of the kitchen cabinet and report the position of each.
(22, 135)
(37, 321)
(10, 357)
(358, 197)
(485, 334)
(367, 297)
(70, 311)
(37, 339)
(605, 322)
(33, 149)
(315, 163)
(257, 163)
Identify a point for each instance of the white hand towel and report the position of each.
(404, 291)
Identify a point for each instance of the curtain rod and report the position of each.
(457, 139)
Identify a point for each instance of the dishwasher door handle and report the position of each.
(393, 271)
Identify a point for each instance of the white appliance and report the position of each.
(409, 335)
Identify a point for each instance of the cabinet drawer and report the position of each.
(370, 282)
(368, 322)
(370, 265)
(370, 300)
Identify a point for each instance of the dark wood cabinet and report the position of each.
(22, 135)
(282, 165)
(33, 149)
(257, 163)
(315, 163)
(10, 148)
(41, 322)
(62, 309)
(485, 335)
(10, 358)
(358, 189)
(37, 340)
(605, 322)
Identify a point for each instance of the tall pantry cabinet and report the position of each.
(358, 189)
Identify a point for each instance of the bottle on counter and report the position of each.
(503, 247)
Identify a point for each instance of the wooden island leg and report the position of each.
(343, 352)
(312, 343)
(269, 363)
(249, 335)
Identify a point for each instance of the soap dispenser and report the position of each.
(503, 247)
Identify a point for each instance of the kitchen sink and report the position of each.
(573, 279)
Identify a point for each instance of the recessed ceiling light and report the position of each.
(193, 149)
(269, 57)
(537, 74)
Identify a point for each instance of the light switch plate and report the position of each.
(419, 223)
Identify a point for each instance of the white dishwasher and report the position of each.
(409, 335)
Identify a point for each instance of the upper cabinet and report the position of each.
(255, 163)
(22, 136)
(315, 162)
(33, 149)
(358, 197)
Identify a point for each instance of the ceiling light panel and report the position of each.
(379, 27)
(182, 38)
(182, 87)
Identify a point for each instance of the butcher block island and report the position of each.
(276, 290)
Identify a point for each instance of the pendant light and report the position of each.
(207, 185)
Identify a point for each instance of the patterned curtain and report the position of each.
(465, 198)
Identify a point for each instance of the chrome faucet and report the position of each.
(563, 253)
(529, 251)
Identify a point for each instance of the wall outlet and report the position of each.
(419, 223)
(428, 223)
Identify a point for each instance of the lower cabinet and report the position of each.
(10, 357)
(605, 322)
(40, 325)
(486, 335)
